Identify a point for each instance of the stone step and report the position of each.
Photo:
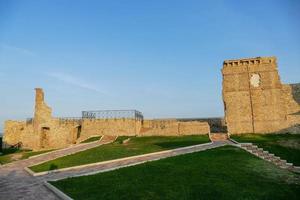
(257, 151)
(283, 166)
(266, 155)
(286, 165)
(274, 159)
(246, 144)
(281, 162)
(218, 136)
(252, 147)
(263, 155)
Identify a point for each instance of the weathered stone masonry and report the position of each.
(45, 131)
(255, 100)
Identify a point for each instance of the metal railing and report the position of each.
(113, 114)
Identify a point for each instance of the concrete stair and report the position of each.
(218, 137)
(259, 152)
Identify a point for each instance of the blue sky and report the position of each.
(160, 57)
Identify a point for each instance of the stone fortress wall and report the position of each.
(255, 100)
(47, 132)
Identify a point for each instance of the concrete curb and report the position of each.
(43, 153)
(56, 191)
(232, 140)
(29, 171)
(115, 160)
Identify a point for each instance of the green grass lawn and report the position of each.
(91, 139)
(118, 149)
(13, 154)
(222, 173)
(286, 146)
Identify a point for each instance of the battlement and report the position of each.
(249, 61)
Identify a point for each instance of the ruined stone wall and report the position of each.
(62, 133)
(216, 124)
(42, 112)
(43, 131)
(47, 132)
(255, 101)
(59, 134)
(20, 131)
(173, 128)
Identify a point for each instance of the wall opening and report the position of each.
(44, 141)
(76, 134)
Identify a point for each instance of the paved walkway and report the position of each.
(15, 183)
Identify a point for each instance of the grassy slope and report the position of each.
(8, 154)
(136, 146)
(221, 173)
(34, 153)
(287, 146)
(91, 139)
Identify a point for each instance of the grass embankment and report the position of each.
(286, 146)
(118, 149)
(222, 173)
(91, 139)
(13, 154)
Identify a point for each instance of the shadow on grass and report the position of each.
(9, 151)
(53, 166)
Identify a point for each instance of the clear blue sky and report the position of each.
(160, 57)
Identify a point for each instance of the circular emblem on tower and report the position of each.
(255, 80)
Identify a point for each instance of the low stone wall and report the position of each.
(115, 127)
(216, 124)
(173, 128)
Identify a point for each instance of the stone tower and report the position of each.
(42, 112)
(253, 96)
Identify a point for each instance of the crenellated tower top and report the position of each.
(249, 61)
